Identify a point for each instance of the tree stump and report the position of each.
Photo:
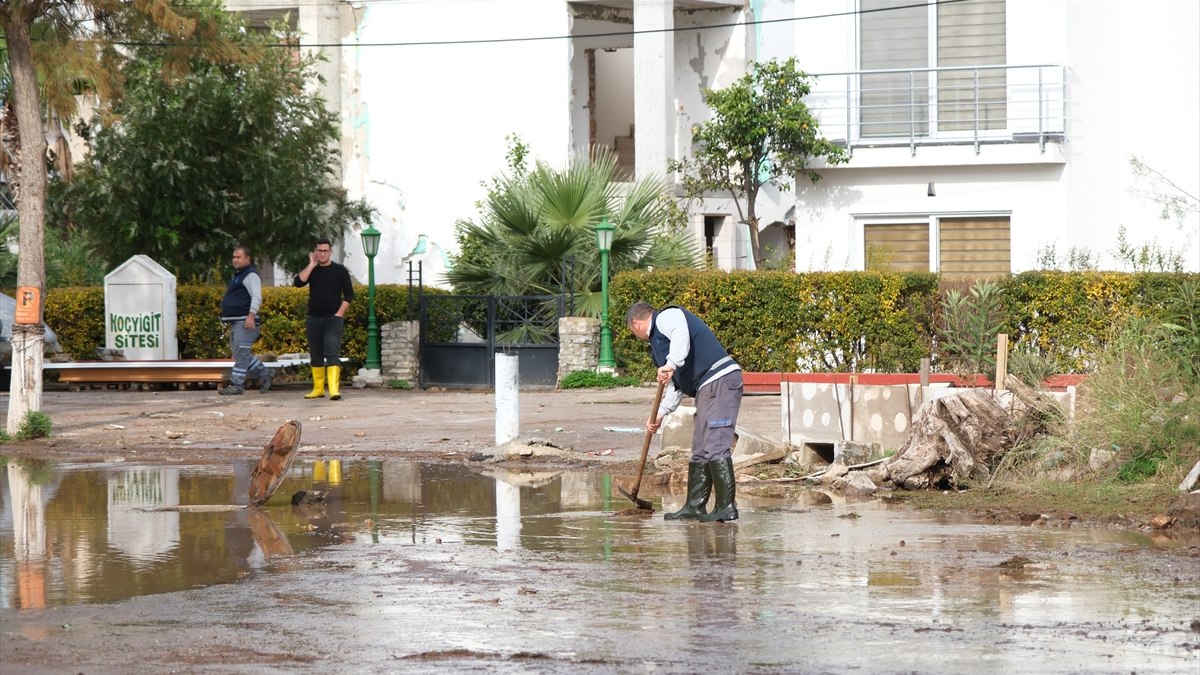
(956, 438)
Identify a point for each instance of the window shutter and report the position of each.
(971, 34)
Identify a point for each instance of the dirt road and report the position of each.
(199, 426)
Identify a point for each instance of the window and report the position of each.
(966, 247)
(974, 247)
(895, 35)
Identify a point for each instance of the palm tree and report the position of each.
(536, 233)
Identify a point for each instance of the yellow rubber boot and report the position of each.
(335, 382)
(318, 390)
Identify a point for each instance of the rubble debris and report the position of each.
(301, 497)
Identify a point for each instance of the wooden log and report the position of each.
(955, 440)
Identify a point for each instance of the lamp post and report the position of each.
(370, 244)
(604, 237)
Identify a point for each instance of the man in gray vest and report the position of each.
(693, 363)
(239, 311)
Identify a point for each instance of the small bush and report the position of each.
(587, 379)
(35, 425)
(1031, 366)
(399, 384)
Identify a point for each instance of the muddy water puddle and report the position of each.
(447, 567)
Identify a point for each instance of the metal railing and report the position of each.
(966, 105)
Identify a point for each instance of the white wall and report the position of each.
(429, 121)
(1134, 89)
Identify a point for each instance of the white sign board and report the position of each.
(139, 310)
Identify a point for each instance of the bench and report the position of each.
(156, 371)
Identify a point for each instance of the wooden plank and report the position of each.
(145, 374)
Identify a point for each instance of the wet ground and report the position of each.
(415, 566)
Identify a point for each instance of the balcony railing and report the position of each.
(970, 105)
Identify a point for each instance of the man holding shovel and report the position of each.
(693, 363)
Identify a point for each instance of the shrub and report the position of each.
(35, 425)
(587, 379)
(968, 328)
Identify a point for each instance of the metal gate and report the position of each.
(461, 335)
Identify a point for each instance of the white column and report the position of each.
(654, 85)
(508, 423)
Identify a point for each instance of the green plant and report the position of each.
(1135, 404)
(1180, 330)
(587, 379)
(761, 133)
(399, 384)
(1141, 467)
(1148, 257)
(226, 153)
(1032, 366)
(35, 425)
(969, 326)
(535, 234)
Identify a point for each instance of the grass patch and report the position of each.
(399, 384)
(1093, 501)
(587, 379)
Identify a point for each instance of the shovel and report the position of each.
(637, 482)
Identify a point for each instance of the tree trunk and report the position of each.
(29, 186)
(755, 247)
(752, 189)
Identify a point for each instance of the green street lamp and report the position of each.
(370, 244)
(604, 237)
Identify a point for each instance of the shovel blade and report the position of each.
(641, 503)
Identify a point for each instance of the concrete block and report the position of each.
(815, 411)
(676, 431)
(753, 449)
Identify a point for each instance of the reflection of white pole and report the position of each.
(508, 515)
(508, 421)
(28, 514)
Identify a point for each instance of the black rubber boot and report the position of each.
(698, 487)
(725, 485)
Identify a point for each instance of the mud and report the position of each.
(450, 578)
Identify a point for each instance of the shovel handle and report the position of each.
(649, 435)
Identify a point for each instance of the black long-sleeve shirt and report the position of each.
(328, 286)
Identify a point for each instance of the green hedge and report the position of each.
(1068, 314)
(782, 322)
(77, 316)
(880, 322)
(769, 321)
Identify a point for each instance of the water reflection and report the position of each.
(28, 494)
(712, 559)
(95, 533)
(101, 532)
(143, 537)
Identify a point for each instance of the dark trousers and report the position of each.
(324, 340)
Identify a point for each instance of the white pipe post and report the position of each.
(508, 422)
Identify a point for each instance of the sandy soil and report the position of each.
(199, 425)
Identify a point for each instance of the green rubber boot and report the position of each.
(698, 488)
(725, 485)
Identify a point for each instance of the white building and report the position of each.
(998, 131)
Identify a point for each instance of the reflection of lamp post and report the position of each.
(604, 237)
(370, 244)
